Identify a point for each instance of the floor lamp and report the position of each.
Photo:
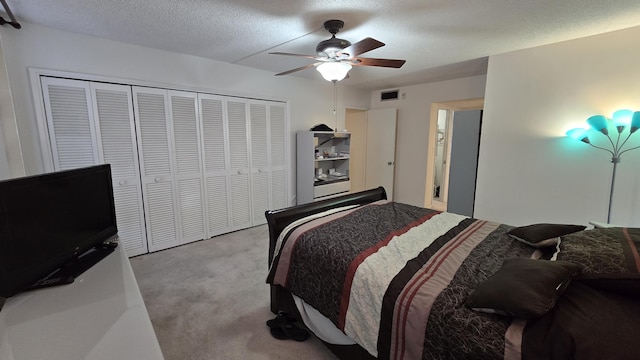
(621, 121)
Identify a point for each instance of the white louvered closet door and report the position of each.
(278, 155)
(189, 175)
(113, 111)
(259, 161)
(156, 164)
(70, 123)
(216, 163)
(239, 172)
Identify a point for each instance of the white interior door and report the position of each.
(381, 149)
(240, 173)
(188, 173)
(92, 123)
(260, 188)
(113, 112)
(216, 163)
(155, 152)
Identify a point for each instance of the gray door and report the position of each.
(463, 165)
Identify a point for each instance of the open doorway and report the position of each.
(439, 151)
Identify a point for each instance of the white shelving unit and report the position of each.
(322, 165)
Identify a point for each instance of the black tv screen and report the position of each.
(48, 220)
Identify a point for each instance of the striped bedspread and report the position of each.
(394, 278)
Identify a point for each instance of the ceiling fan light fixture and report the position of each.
(336, 56)
(334, 70)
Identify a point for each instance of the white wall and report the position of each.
(413, 129)
(310, 101)
(528, 170)
(7, 119)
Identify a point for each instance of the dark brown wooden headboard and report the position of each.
(279, 219)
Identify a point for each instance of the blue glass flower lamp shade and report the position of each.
(599, 123)
(622, 119)
(579, 134)
(635, 122)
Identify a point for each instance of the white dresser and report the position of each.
(99, 316)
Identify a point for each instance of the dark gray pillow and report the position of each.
(523, 288)
(609, 257)
(542, 235)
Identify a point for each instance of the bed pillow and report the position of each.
(542, 235)
(610, 258)
(523, 288)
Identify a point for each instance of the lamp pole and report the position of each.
(615, 160)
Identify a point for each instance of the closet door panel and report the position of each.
(70, 123)
(238, 134)
(189, 175)
(155, 154)
(191, 209)
(216, 163)
(113, 112)
(259, 138)
(151, 117)
(241, 199)
(161, 228)
(278, 155)
(259, 161)
(260, 190)
(240, 174)
(217, 205)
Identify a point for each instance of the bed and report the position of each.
(404, 282)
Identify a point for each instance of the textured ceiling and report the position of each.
(440, 39)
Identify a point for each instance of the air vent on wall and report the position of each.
(389, 95)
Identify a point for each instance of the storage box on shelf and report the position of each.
(322, 165)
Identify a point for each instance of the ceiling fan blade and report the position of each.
(298, 69)
(290, 54)
(361, 47)
(392, 63)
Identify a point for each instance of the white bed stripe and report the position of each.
(374, 275)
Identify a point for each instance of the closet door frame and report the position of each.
(45, 143)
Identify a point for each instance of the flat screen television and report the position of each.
(54, 226)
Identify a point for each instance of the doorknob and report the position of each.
(390, 163)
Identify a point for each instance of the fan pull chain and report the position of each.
(335, 104)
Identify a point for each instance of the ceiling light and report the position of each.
(334, 70)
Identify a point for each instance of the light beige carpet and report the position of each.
(209, 300)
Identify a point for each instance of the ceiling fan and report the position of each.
(336, 56)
